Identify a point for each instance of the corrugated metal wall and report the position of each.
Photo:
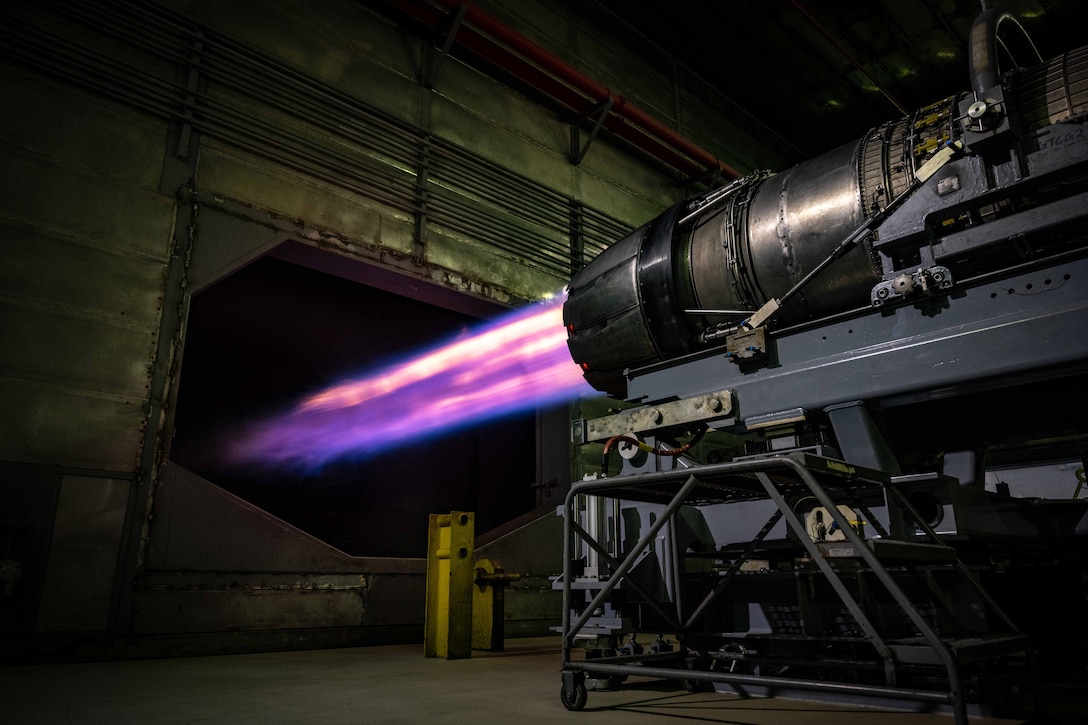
(85, 240)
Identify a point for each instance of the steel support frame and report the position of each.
(578, 150)
(977, 333)
(898, 498)
(760, 468)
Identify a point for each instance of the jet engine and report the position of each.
(819, 367)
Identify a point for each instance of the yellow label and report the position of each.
(841, 467)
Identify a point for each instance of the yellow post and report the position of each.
(489, 605)
(447, 629)
(484, 634)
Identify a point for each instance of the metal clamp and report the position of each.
(926, 281)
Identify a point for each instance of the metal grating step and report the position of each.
(917, 651)
(891, 550)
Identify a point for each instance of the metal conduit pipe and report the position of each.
(161, 97)
(531, 243)
(542, 212)
(312, 143)
(297, 101)
(232, 75)
(983, 44)
(469, 182)
(496, 42)
(652, 128)
(452, 214)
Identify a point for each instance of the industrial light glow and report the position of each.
(515, 364)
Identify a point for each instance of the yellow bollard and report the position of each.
(447, 629)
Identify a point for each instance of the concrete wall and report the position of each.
(127, 173)
(85, 241)
(218, 564)
(677, 96)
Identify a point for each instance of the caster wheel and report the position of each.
(695, 686)
(695, 662)
(575, 698)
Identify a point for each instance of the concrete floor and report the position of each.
(387, 685)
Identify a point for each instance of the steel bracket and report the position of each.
(450, 25)
(601, 110)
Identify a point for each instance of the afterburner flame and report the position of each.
(515, 364)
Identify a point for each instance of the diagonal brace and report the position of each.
(601, 109)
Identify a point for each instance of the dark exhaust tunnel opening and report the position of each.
(274, 331)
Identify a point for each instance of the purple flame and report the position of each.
(515, 364)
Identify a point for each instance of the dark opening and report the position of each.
(275, 331)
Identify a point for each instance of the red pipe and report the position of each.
(496, 42)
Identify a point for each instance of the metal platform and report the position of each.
(921, 663)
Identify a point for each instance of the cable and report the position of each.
(645, 447)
